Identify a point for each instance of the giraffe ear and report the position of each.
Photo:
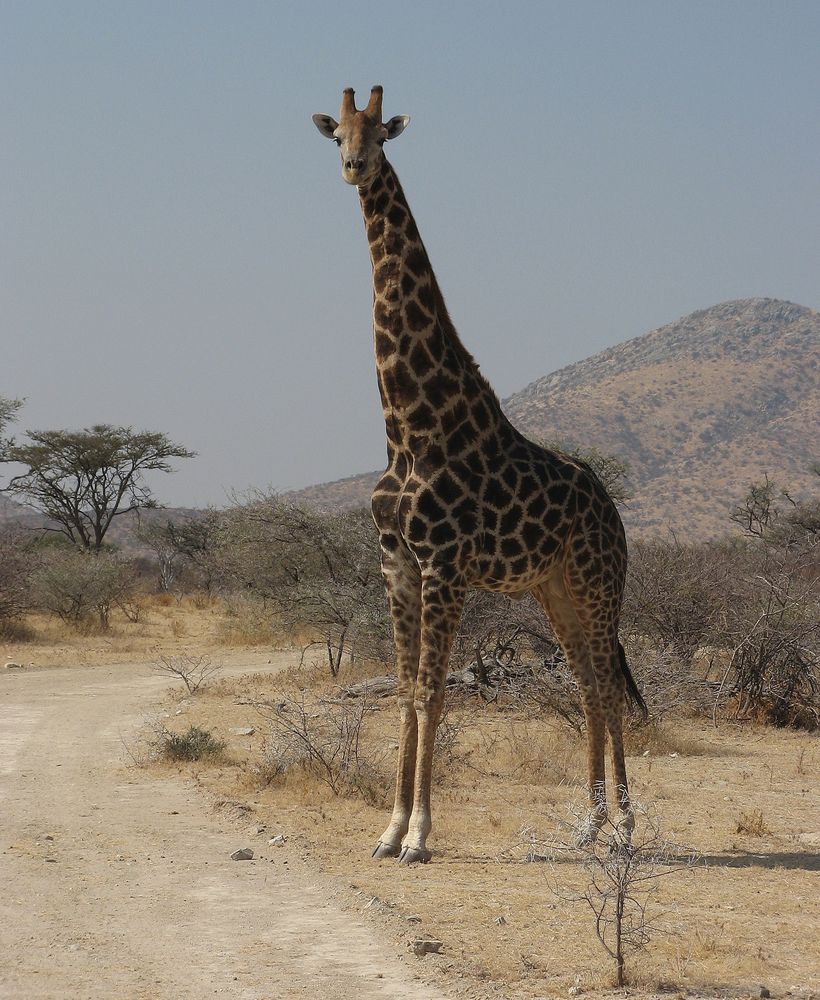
(326, 125)
(397, 125)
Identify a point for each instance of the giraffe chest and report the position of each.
(493, 524)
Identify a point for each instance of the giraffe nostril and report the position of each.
(354, 164)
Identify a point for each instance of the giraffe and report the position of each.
(468, 501)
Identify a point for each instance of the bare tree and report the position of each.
(82, 480)
(193, 671)
(159, 538)
(758, 509)
(621, 879)
(676, 593)
(199, 543)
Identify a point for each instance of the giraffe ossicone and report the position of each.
(467, 501)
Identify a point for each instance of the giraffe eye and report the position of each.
(337, 141)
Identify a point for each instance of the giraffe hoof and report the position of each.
(382, 850)
(414, 855)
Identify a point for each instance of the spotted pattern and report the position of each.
(468, 501)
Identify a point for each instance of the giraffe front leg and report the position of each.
(442, 601)
(389, 844)
(403, 583)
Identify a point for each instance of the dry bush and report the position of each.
(670, 684)
(247, 622)
(675, 596)
(622, 880)
(656, 738)
(311, 571)
(772, 627)
(82, 588)
(759, 600)
(194, 744)
(18, 561)
(752, 823)
(193, 671)
(447, 747)
(524, 750)
(325, 740)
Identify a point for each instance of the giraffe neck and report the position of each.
(430, 384)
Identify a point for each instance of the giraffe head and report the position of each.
(360, 135)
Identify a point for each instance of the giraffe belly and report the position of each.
(514, 585)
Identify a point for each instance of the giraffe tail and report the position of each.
(633, 692)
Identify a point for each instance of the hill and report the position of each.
(699, 408)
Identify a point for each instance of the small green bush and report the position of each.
(193, 745)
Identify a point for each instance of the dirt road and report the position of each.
(118, 885)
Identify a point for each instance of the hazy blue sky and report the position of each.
(178, 250)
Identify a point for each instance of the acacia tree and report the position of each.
(8, 411)
(82, 480)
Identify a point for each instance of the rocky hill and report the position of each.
(699, 409)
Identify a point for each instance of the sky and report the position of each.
(179, 253)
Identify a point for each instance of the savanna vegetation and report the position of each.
(730, 628)
(724, 633)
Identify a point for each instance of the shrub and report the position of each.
(77, 586)
(323, 739)
(772, 627)
(18, 559)
(194, 744)
(675, 596)
(192, 670)
(311, 571)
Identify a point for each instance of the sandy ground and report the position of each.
(118, 884)
(746, 918)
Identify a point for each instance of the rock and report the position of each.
(500, 921)
(242, 730)
(278, 840)
(811, 839)
(11, 665)
(245, 854)
(425, 946)
(764, 993)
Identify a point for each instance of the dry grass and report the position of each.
(165, 623)
(502, 778)
(752, 823)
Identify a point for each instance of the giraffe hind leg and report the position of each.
(621, 836)
(571, 634)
